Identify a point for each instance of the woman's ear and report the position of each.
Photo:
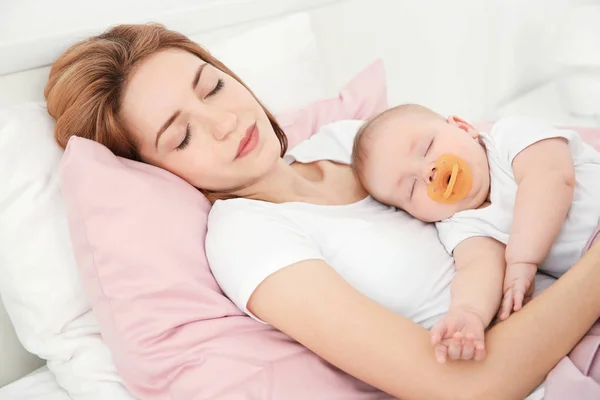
(464, 125)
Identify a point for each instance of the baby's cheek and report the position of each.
(395, 203)
(377, 184)
(426, 206)
(429, 210)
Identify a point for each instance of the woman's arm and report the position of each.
(310, 302)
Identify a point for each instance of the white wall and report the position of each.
(34, 32)
(461, 56)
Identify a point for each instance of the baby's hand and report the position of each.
(459, 335)
(519, 285)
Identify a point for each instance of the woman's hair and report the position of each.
(86, 84)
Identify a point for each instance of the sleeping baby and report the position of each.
(523, 197)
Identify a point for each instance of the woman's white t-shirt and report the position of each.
(382, 252)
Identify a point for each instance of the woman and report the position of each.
(284, 246)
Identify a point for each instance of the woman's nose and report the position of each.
(220, 122)
(225, 124)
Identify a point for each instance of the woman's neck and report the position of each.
(322, 182)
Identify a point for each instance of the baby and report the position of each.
(524, 196)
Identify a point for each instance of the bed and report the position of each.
(39, 384)
(429, 69)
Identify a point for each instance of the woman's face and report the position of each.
(197, 122)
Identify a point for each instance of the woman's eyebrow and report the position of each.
(197, 76)
(165, 126)
(173, 117)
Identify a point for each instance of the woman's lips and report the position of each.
(248, 142)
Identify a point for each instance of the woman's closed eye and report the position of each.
(186, 138)
(188, 129)
(217, 88)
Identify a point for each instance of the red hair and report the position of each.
(86, 84)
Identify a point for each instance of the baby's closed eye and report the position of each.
(429, 146)
(413, 184)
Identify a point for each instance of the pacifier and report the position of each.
(452, 180)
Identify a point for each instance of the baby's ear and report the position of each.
(464, 125)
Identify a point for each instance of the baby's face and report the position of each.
(401, 157)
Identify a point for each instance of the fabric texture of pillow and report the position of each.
(363, 97)
(39, 281)
(138, 236)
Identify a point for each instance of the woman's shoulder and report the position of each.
(342, 131)
(345, 126)
(239, 211)
(333, 141)
(255, 218)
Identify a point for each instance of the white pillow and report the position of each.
(279, 61)
(39, 280)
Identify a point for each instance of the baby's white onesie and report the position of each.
(507, 138)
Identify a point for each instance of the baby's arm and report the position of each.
(476, 294)
(545, 176)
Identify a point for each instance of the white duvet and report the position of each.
(39, 385)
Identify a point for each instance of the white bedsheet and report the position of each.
(538, 394)
(39, 385)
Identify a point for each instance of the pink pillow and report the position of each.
(138, 237)
(364, 97)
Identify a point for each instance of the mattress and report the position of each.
(38, 385)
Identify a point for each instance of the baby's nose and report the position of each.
(432, 174)
(429, 174)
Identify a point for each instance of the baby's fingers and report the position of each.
(519, 297)
(479, 351)
(441, 353)
(520, 288)
(438, 332)
(507, 305)
(468, 348)
(455, 346)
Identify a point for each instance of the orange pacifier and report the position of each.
(452, 181)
